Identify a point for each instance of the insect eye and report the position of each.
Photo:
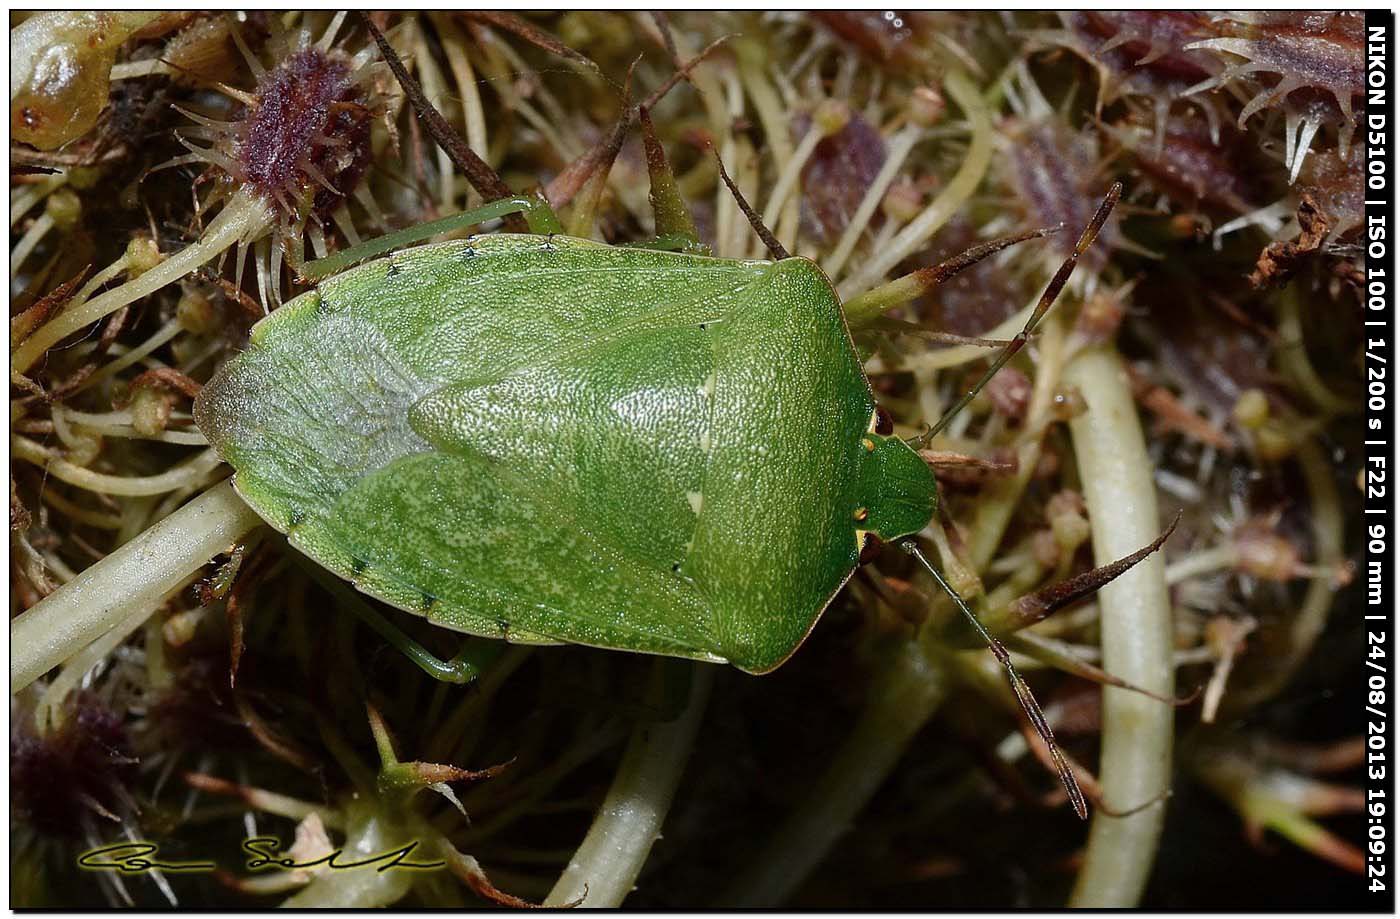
(884, 424)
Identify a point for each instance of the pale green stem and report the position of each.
(898, 148)
(1293, 355)
(1328, 528)
(192, 472)
(28, 241)
(48, 713)
(605, 867)
(949, 201)
(137, 576)
(907, 691)
(1199, 564)
(1136, 629)
(775, 211)
(162, 335)
(244, 216)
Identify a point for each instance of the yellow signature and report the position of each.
(266, 853)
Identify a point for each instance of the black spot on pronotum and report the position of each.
(357, 568)
(295, 519)
(426, 602)
(393, 270)
(704, 326)
(549, 243)
(675, 567)
(504, 626)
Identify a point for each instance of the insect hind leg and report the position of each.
(1047, 299)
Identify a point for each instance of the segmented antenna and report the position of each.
(481, 176)
(1018, 685)
(1047, 299)
(775, 248)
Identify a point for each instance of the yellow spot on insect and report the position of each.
(696, 500)
(868, 444)
(861, 513)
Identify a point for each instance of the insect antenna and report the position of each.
(481, 176)
(775, 248)
(1047, 299)
(1018, 685)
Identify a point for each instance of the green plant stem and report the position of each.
(244, 217)
(605, 867)
(1135, 765)
(1325, 513)
(136, 576)
(905, 695)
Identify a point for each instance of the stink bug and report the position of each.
(546, 439)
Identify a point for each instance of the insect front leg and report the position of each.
(1018, 685)
(539, 217)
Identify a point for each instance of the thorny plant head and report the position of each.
(875, 144)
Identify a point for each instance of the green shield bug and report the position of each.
(542, 438)
(546, 439)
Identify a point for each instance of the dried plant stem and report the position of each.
(1135, 765)
(137, 576)
(604, 869)
(911, 685)
(243, 217)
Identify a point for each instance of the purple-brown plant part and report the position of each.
(1212, 352)
(838, 174)
(1010, 393)
(1052, 174)
(1334, 182)
(973, 300)
(887, 37)
(80, 769)
(1314, 63)
(1282, 259)
(305, 138)
(1141, 56)
(1194, 165)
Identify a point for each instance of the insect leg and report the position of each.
(461, 669)
(538, 216)
(1018, 685)
(1047, 299)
